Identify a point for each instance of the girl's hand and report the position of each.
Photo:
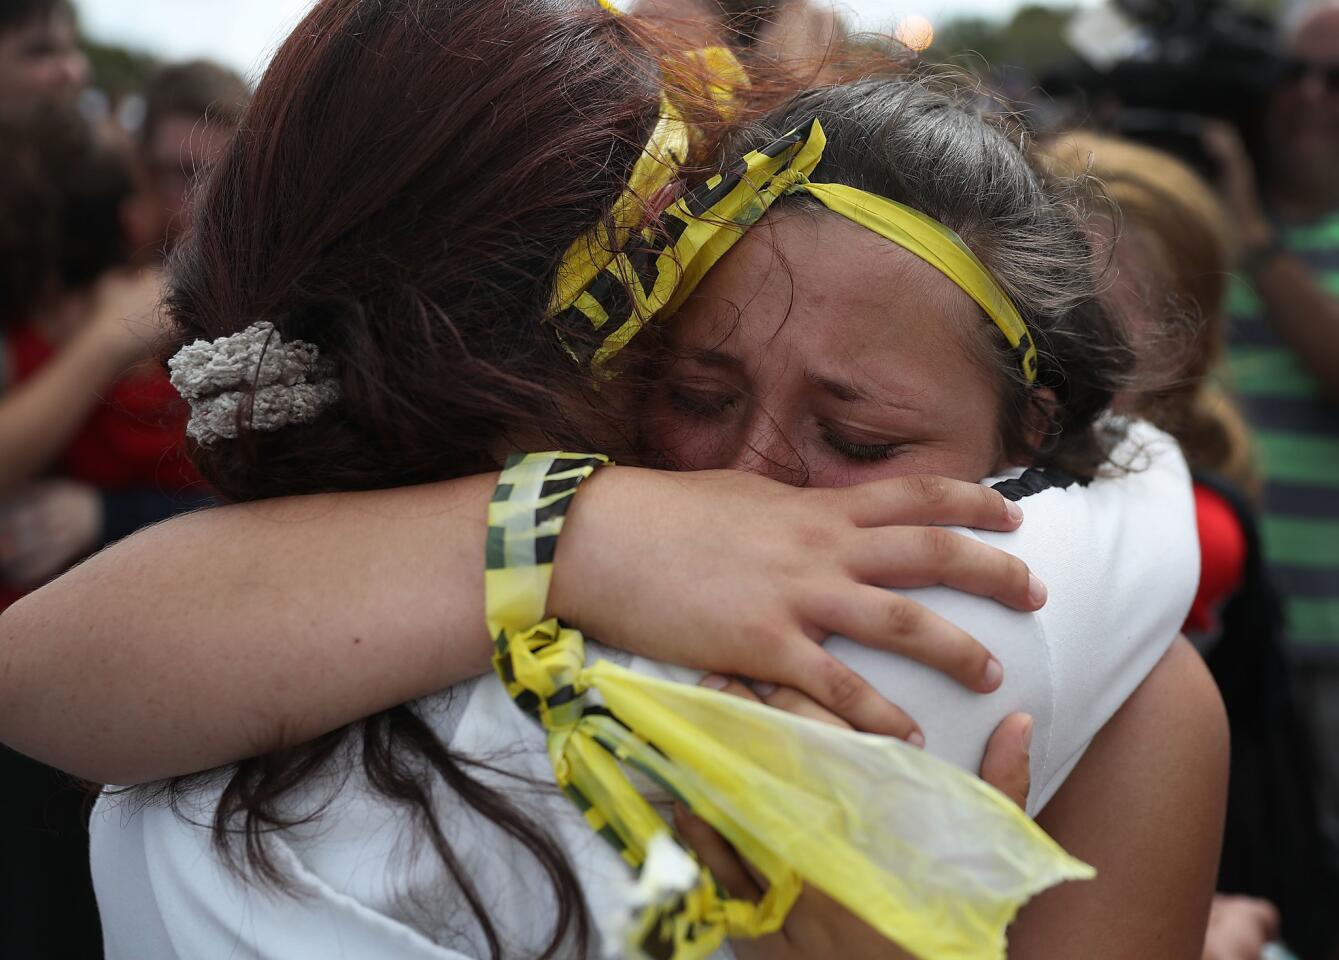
(1239, 928)
(739, 574)
(128, 314)
(818, 926)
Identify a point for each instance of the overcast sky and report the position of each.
(242, 32)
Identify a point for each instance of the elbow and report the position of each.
(35, 712)
(16, 675)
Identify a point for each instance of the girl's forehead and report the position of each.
(819, 313)
(812, 274)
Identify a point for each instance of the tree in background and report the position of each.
(1033, 39)
(117, 71)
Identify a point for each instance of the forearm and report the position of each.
(246, 628)
(1304, 315)
(242, 629)
(38, 417)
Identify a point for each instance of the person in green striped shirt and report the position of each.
(1284, 338)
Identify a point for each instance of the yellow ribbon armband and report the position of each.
(929, 856)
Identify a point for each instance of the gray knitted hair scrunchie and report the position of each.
(283, 383)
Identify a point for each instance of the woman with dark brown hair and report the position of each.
(421, 293)
(425, 278)
(440, 330)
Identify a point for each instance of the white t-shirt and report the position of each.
(1120, 559)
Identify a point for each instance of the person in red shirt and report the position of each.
(90, 428)
(90, 449)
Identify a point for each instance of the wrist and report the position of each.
(527, 516)
(109, 349)
(582, 564)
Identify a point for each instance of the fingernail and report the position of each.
(1036, 590)
(916, 739)
(714, 681)
(762, 689)
(1025, 735)
(1014, 510)
(994, 674)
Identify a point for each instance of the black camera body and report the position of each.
(1192, 60)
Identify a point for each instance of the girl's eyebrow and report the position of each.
(713, 358)
(848, 392)
(842, 390)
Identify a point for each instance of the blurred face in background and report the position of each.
(1304, 116)
(180, 148)
(41, 60)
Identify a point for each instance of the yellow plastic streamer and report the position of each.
(698, 230)
(599, 264)
(929, 856)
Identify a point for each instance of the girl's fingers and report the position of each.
(808, 667)
(716, 855)
(904, 557)
(782, 698)
(1006, 763)
(929, 501)
(802, 705)
(888, 621)
(730, 685)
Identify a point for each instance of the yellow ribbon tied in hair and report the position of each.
(658, 274)
(600, 271)
(928, 855)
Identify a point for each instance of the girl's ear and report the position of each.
(1041, 416)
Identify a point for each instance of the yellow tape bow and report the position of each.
(698, 230)
(599, 270)
(929, 856)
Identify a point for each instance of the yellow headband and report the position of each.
(701, 228)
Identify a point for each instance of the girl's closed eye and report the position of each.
(702, 398)
(862, 452)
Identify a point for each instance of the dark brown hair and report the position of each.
(400, 193)
(20, 13)
(64, 183)
(199, 89)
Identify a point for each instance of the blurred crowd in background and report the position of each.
(1214, 131)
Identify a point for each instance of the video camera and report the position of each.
(1162, 67)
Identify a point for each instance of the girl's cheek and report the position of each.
(689, 443)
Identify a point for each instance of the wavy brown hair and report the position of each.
(400, 193)
(1171, 230)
